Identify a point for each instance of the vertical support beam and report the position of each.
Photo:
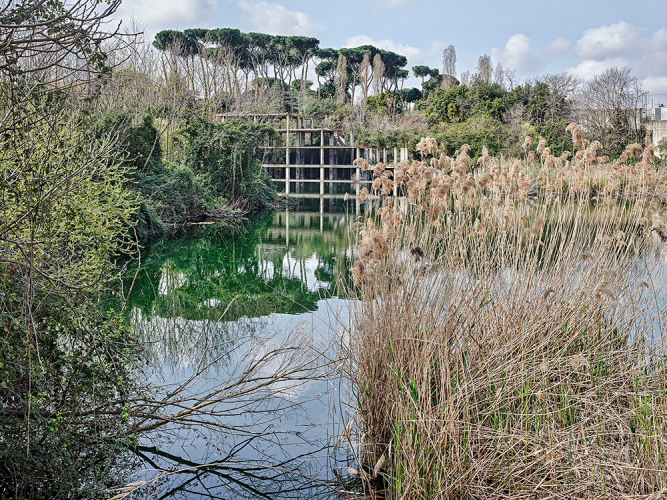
(356, 184)
(395, 155)
(287, 179)
(321, 179)
(287, 142)
(384, 156)
(321, 146)
(321, 160)
(287, 227)
(321, 215)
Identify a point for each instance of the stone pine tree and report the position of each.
(421, 72)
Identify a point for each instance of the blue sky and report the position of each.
(583, 37)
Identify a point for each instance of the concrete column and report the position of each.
(287, 227)
(321, 215)
(287, 142)
(395, 155)
(321, 180)
(384, 156)
(322, 147)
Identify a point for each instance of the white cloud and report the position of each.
(588, 68)
(656, 85)
(415, 56)
(616, 40)
(624, 45)
(557, 48)
(176, 14)
(275, 19)
(518, 55)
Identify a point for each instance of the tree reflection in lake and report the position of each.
(204, 298)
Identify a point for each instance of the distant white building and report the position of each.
(655, 120)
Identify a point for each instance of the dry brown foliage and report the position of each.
(507, 340)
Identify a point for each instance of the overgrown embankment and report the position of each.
(213, 172)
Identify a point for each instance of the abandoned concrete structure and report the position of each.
(303, 152)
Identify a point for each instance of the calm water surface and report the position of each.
(279, 275)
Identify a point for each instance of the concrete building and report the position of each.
(303, 152)
(655, 121)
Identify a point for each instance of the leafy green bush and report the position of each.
(478, 131)
(226, 157)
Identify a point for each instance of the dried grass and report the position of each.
(509, 345)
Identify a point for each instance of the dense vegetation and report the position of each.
(107, 141)
(361, 88)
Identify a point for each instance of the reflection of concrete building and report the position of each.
(303, 152)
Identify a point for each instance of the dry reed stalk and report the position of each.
(509, 348)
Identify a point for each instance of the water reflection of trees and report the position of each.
(283, 264)
(228, 477)
(195, 276)
(186, 283)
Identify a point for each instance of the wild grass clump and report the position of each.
(509, 345)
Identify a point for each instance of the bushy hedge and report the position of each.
(216, 166)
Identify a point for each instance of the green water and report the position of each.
(206, 296)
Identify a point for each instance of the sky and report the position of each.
(582, 37)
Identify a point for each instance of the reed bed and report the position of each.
(508, 337)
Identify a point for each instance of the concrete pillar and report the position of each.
(395, 155)
(287, 142)
(358, 183)
(287, 179)
(321, 215)
(384, 156)
(287, 227)
(321, 180)
(322, 147)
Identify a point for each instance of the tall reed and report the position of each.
(507, 341)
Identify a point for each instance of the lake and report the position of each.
(205, 299)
